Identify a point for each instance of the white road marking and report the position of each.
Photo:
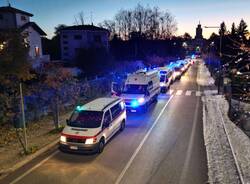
(179, 92)
(214, 92)
(207, 92)
(198, 93)
(34, 167)
(188, 93)
(171, 91)
(118, 180)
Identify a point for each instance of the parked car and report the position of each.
(93, 124)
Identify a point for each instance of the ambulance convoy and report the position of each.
(93, 124)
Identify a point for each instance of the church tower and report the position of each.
(199, 32)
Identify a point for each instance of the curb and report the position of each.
(29, 158)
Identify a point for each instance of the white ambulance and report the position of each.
(166, 78)
(93, 124)
(141, 88)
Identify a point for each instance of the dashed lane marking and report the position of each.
(179, 92)
(188, 93)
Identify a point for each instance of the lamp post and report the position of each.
(220, 53)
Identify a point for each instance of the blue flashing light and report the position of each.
(134, 103)
(193, 56)
(80, 108)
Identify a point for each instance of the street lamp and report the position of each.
(219, 81)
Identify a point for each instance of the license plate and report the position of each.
(73, 147)
(132, 110)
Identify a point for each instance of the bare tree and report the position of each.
(79, 18)
(151, 22)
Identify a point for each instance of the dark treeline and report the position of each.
(235, 57)
(151, 23)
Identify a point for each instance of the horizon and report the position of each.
(48, 19)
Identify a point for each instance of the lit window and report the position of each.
(37, 51)
(1, 47)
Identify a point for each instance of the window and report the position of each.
(65, 36)
(86, 119)
(116, 110)
(97, 38)
(37, 51)
(135, 89)
(23, 18)
(1, 17)
(107, 119)
(77, 37)
(65, 48)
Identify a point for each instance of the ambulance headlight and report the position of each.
(90, 141)
(162, 84)
(141, 100)
(63, 138)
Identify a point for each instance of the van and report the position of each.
(166, 78)
(141, 88)
(92, 125)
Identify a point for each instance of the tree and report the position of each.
(58, 28)
(52, 46)
(110, 26)
(233, 29)
(223, 29)
(55, 78)
(242, 29)
(152, 22)
(79, 18)
(14, 68)
(187, 36)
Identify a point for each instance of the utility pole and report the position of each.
(23, 119)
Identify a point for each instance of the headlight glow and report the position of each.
(162, 84)
(89, 141)
(63, 138)
(141, 100)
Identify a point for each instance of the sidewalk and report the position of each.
(228, 148)
(40, 135)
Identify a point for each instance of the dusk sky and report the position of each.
(49, 13)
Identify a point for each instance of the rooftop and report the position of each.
(35, 26)
(99, 103)
(85, 28)
(14, 10)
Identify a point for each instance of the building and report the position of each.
(74, 38)
(196, 45)
(12, 18)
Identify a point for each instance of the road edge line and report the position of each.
(33, 168)
(28, 159)
(118, 180)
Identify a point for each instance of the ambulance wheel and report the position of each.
(122, 126)
(101, 146)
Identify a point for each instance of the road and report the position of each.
(164, 145)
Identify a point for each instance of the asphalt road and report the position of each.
(164, 145)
